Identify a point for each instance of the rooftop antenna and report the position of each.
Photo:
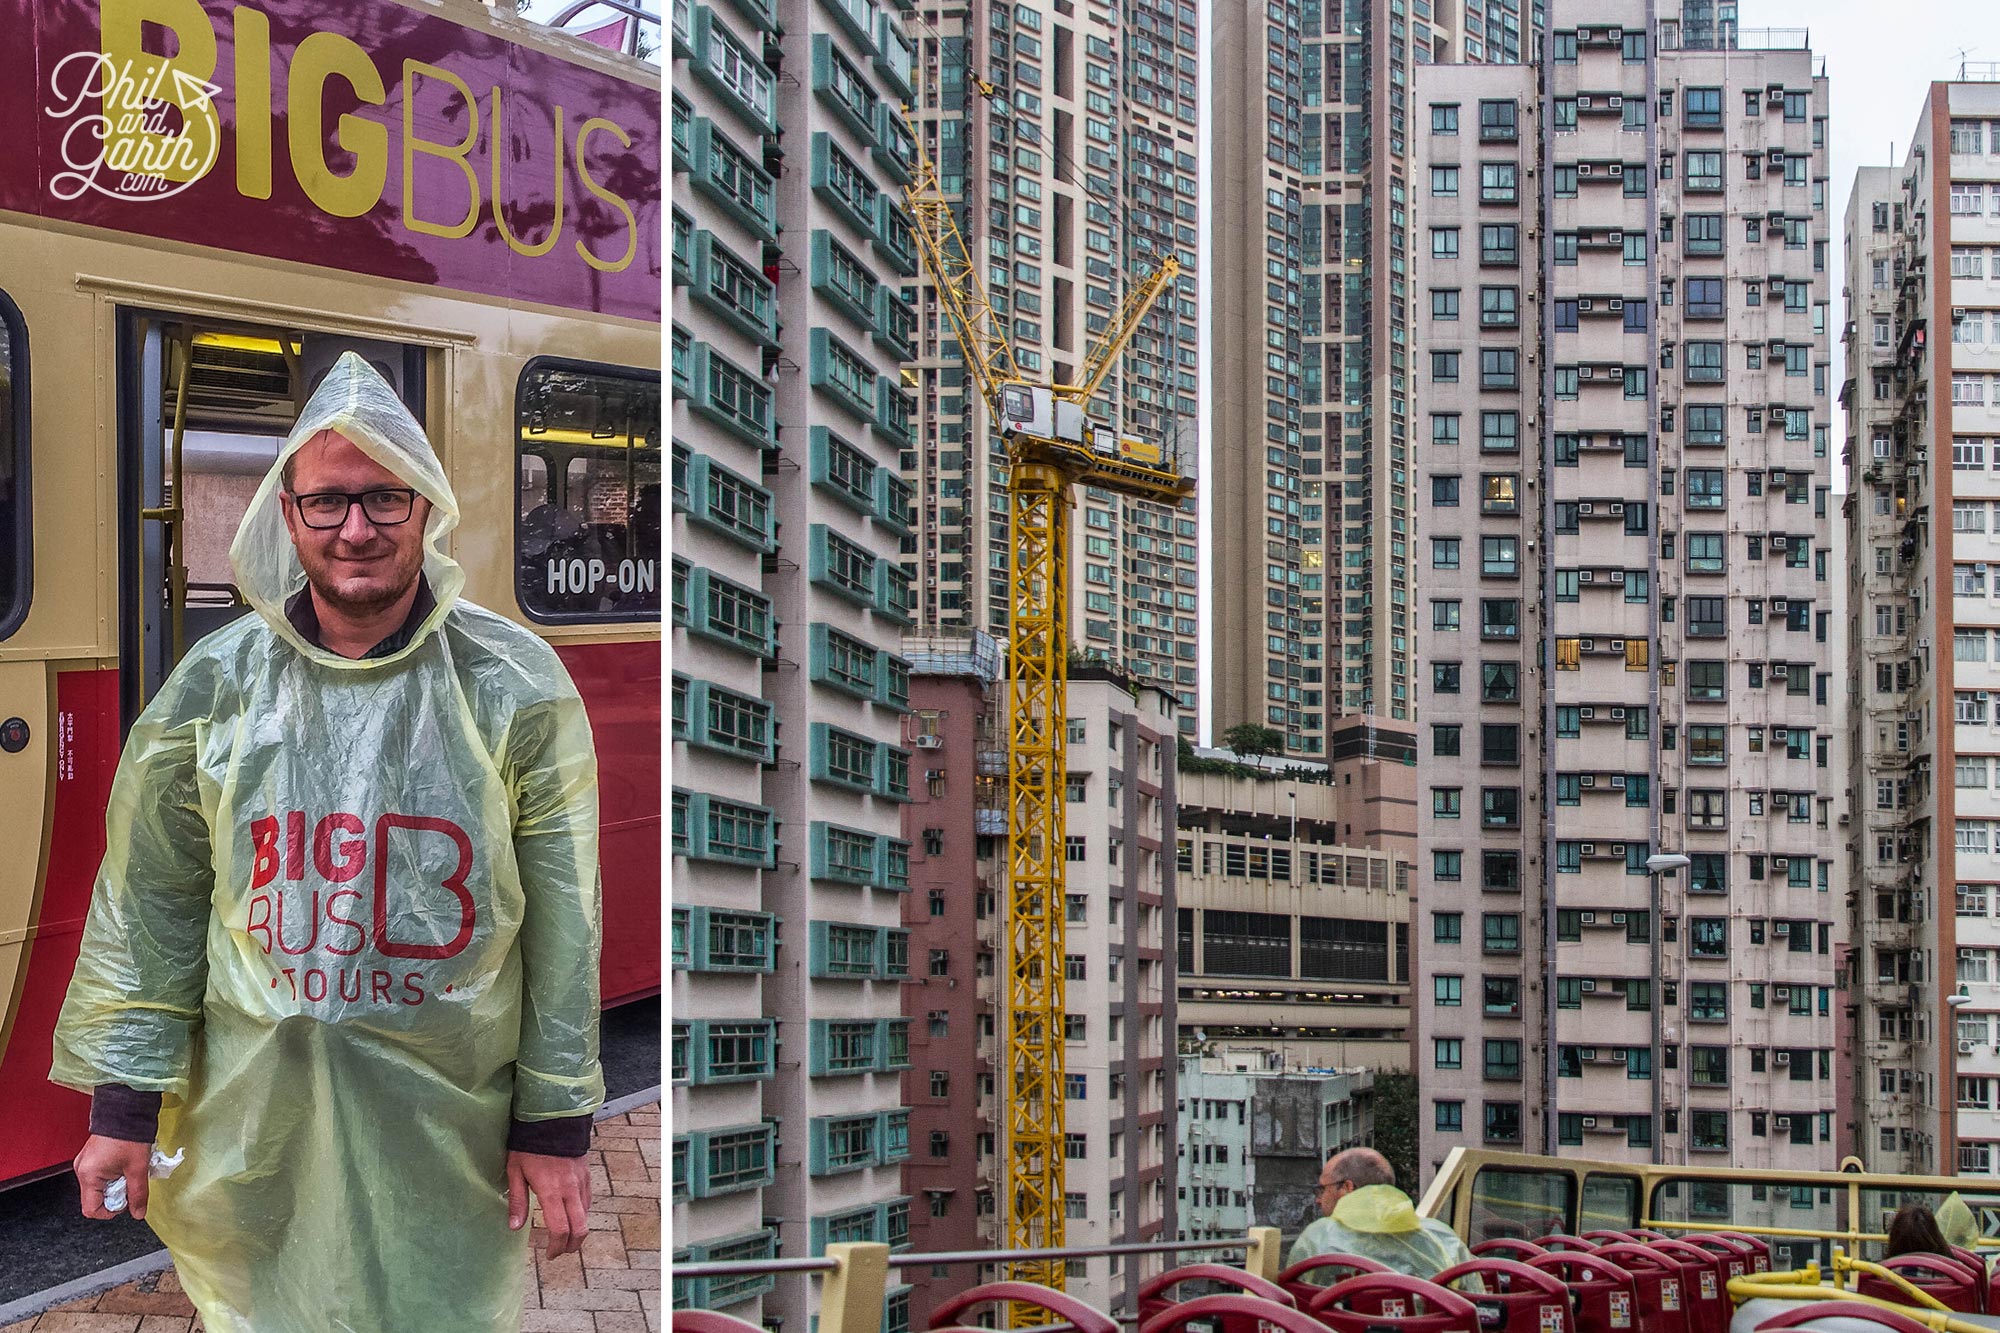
(1963, 52)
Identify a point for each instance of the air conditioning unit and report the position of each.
(1618, 782)
(1617, 715)
(1957, 313)
(1587, 985)
(1583, 104)
(1779, 930)
(1585, 576)
(1617, 509)
(1965, 1048)
(1587, 1054)
(1783, 1122)
(1617, 576)
(1587, 918)
(1585, 304)
(1616, 236)
(1587, 713)
(1587, 780)
(1590, 1122)
(1586, 372)
(1779, 670)
(1586, 509)
(1617, 304)
(927, 742)
(1615, 102)
(1588, 849)
(1776, 98)
(1781, 992)
(1614, 168)
(1618, 849)
(1783, 1060)
(1618, 918)
(1618, 1055)
(1618, 645)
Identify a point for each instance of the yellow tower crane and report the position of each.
(1052, 446)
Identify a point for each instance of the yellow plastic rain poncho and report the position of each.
(1379, 1222)
(1957, 1225)
(347, 922)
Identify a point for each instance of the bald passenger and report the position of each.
(1366, 1215)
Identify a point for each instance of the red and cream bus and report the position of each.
(202, 204)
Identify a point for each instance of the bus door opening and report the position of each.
(205, 407)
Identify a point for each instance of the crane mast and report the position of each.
(1052, 446)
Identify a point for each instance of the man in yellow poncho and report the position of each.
(1367, 1215)
(342, 952)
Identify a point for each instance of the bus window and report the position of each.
(587, 532)
(16, 541)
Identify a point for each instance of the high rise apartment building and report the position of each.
(1624, 422)
(1923, 446)
(1311, 409)
(1118, 1035)
(1064, 133)
(788, 421)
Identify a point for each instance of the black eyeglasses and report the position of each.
(384, 507)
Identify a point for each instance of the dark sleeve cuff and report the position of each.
(566, 1136)
(119, 1112)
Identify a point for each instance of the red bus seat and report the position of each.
(1760, 1250)
(711, 1321)
(1608, 1237)
(1154, 1300)
(1335, 1266)
(1516, 1298)
(1933, 1274)
(1506, 1247)
(1233, 1311)
(1736, 1253)
(1982, 1280)
(1606, 1296)
(1556, 1243)
(1707, 1287)
(1381, 1303)
(1065, 1307)
(1663, 1282)
(1802, 1313)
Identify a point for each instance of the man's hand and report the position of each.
(561, 1183)
(105, 1160)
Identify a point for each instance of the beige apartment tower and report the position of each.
(1622, 418)
(1923, 423)
(1312, 385)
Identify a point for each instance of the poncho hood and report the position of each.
(1376, 1208)
(355, 402)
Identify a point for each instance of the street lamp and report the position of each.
(1657, 865)
(1955, 1002)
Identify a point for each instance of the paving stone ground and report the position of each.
(612, 1286)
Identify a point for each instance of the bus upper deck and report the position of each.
(1508, 1207)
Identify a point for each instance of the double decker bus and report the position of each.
(203, 203)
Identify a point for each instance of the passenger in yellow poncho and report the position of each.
(343, 947)
(1367, 1215)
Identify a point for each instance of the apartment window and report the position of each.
(1444, 118)
(1447, 992)
(1449, 1117)
(1703, 108)
(1444, 367)
(1499, 432)
(1500, 244)
(1499, 307)
(1500, 617)
(1704, 171)
(1502, 1059)
(1444, 303)
(1444, 552)
(1444, 182)
(1447, 927)
(1705, 552)
(1706, 617)
(1499, 368)
(1499, 122)
(1499, 557)
(1499, 182)
(1501, 932)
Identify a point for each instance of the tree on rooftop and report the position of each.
(1249, 738)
